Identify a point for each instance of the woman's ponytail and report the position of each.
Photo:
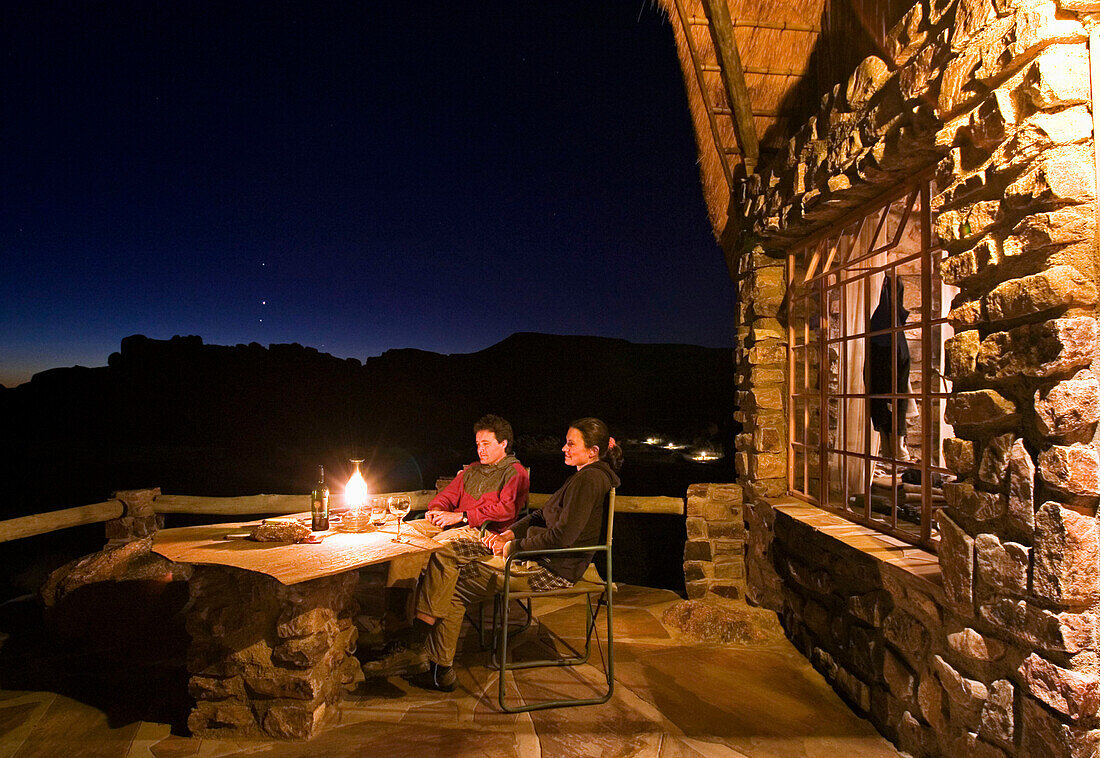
(595, 434)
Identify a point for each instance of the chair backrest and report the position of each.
(610, 515)
(525, 508)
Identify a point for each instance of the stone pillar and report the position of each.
(138, 520)
(714, 552)
(268, 660)
(761, 460)
(371, 598)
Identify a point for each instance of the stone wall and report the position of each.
(138, 519)
(934, 682)
(713, 553)
(837, 611)
(995, 96)
(268, 660)
(761, 374)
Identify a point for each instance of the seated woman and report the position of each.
(459, 574)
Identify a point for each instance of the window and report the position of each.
(866, 327)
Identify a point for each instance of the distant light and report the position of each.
(674, 446)
(705, 456)
(653, 441)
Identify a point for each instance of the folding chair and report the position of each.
(597, 592)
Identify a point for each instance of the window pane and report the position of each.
(869, 384)
(799, 470)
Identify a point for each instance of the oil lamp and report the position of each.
(355, 497)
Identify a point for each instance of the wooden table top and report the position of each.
(290, 563)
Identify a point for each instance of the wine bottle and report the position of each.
(318, 502)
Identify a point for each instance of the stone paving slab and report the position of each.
(674, 698)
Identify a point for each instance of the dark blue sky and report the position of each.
(349, 176)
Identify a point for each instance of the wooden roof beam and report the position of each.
(782, 26)
(697, 63)
(774, 71)
(720, 111)
(712, 69)
(733, 77)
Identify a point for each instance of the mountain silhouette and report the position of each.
(201, 419)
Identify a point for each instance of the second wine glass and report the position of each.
(400, 505)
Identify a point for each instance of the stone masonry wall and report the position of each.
(713, 553)
(934, 682)
(995, 95)
(268, 660)
(857, 627)
(761, 374)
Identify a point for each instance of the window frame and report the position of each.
(819, 252)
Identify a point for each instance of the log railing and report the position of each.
(41, 523)
(629, 503)
(253, 505)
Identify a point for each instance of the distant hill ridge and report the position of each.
(160, 403)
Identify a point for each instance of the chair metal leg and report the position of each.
(528, 619)
(504, 665)
(481, 625)
(478, 623)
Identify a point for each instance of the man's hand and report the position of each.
(443, 518)
(499, 542)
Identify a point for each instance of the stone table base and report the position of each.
(268, 660)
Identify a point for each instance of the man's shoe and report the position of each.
(436, 677)
(398, 658)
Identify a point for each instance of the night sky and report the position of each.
(349, 176)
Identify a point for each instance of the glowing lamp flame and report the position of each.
(355, 493)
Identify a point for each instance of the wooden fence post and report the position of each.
(138, 520)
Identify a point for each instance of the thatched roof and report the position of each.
(764, 63)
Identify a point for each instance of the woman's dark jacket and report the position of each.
(574, 515)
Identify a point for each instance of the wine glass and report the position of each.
(400, 505)
(378, 511)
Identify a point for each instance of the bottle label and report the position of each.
(319, 511)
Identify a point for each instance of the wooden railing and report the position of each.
(629, 503)
(41, 523)
(252, 505)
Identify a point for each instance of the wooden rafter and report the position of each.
(733, 77)
(782, 26)
(697, 63)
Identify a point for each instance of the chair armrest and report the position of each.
(524, 554)
(557, 551)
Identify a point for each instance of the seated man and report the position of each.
(492, 490)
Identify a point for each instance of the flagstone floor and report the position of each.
(674, 698)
